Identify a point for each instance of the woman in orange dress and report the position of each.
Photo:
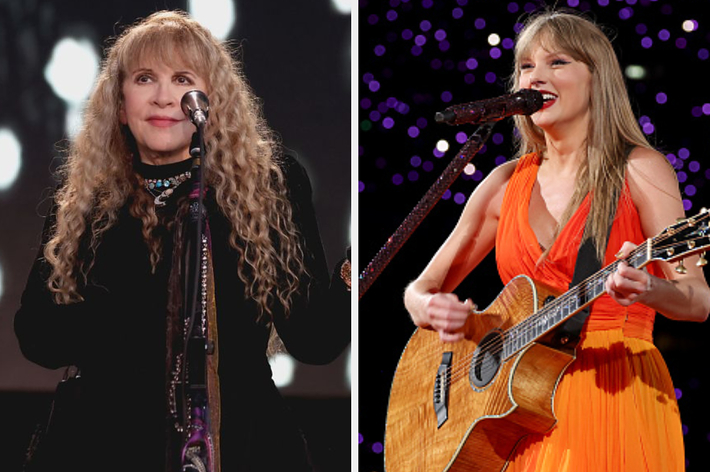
(582, 159)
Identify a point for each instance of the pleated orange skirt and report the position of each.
(616, 411)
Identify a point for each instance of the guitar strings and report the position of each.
(525, 327)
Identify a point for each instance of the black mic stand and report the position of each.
(421, 210)
(196, 450)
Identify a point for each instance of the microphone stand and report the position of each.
(395, 242)
(197, 447)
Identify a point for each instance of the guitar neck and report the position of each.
(557, 311)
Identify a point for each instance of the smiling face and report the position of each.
(565, 83)
(152, 91)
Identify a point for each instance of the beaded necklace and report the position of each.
(161, 189)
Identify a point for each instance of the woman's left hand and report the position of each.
(626, 284)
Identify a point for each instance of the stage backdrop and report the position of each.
(418, 57)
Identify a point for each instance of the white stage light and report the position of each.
(72, 69)
(218, 16)
(282, 367)
(11, 160)
(342, 6)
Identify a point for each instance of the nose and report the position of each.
(163, 96)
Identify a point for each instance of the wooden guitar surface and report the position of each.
(483, 424)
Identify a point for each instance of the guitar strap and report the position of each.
(586, 265)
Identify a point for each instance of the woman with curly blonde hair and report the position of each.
(106, 291)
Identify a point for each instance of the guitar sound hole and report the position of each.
(486, 360)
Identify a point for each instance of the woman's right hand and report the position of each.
(442, 312)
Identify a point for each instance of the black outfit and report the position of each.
(117, 336)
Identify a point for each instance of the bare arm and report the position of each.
(428, 298)
(654, 190)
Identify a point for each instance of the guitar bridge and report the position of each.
(441, 389)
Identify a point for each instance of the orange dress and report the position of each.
(615, 405)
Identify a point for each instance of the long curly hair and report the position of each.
(613, 129)
(243, 167)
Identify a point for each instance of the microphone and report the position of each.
(196, 106)
(522, 102)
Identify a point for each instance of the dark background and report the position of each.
(401, 85)
(296, 57)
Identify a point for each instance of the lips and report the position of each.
(163, 121)
(549, 98)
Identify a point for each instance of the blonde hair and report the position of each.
(243, 167)
(613, 129)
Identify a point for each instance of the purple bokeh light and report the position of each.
(664, 35)
(683, 153)
(446, 195)
(661, 98)
(415, 161)
(413, 176)
(513, 7)
(646, 42)
(360, 438)
(687, 205)
(377, 448)
(626, 13)
(374, 85)
(461, 137)
(459, 198)
(413, 131)
(375, 115)
(703, 54)
(397, 179)
(694, 166)
(365, 103)
(422, 122)
(495, 53)
(440, 35)
(690, 190)
(446, 96)
(480, 23)
(428, 166)
(425, 25)
(407, 34)
(388, 123)
(491, 77)
(706, 108)
(641, 29)
(682, 176)
(457, 13)
(508, 43)
(361, 188)
(681, 43)
(471, 63)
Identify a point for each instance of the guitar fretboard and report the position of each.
(555, 312)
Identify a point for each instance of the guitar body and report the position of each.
(482, 422)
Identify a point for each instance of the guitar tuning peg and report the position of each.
(702, 261)
(703, 210)
(680, 268)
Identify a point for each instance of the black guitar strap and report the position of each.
(586, 265)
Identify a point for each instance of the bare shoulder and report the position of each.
(498, 179)
(491, 191)
(654, 190)
(649, 171)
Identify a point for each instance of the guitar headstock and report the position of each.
(685, 238)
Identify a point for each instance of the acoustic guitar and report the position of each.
(464, 406)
